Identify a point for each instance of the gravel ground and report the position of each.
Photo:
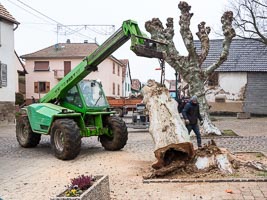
(32, 174)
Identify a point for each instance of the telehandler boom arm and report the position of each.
(140, 45)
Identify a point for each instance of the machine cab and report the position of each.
(86, 94)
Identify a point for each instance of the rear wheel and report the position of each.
(24, 134)
(119, 136)
(65, 139)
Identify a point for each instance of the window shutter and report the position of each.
(3, 75)
(113, 68)
(36, 84)
(47, 87)
(118, 89)
(113, 88)
(41, 66)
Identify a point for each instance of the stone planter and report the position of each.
(99, 190)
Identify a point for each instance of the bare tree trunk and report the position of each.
(190, 66)
(171, 138)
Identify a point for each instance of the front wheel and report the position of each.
(24, 134)
(119, 136)
(65, 139)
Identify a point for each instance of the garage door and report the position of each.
(256, 93)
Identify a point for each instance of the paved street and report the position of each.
(37, 174)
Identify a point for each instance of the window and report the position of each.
(113, 68)
(67, 67)
(113, 88)
(41, 65)
(118, 70)
(73, 97)
(41, 87)
(3, 75)
(118, 90)
(213, 79)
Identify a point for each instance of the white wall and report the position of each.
(7, 57)
(107, 78)
(231, 84)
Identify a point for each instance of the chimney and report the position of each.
(68, 41)
(85, 41)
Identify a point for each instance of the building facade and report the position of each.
(8, 25)
(48, 66)
(239, 84)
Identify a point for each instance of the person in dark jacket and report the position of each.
(191, 115)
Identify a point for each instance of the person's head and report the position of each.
(194, 99)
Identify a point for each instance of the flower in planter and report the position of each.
(78, 185)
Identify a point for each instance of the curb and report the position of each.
(204, 180)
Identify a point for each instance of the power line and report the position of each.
(28, 11)
(47, 17)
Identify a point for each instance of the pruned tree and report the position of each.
(190, 66)
(250, 19)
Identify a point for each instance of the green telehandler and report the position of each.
(77, 108)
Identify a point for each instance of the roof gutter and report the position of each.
(17, 25)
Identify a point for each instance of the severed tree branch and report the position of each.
(229, 33)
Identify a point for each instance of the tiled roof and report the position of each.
(136, 85)
(64, 50)
(4, 14)
(244, 56)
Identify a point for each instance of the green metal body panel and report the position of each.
(41, 115)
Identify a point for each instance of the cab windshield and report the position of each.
(92, 93)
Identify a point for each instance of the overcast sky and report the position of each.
(36, 32)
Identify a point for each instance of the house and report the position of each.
(126, 78)
(136, 87)
(48, 66)
(20, 75)
(8, 25)
(241, 81)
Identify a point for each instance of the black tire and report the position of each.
(119, 112)
(65, 139)
(24, 134)
(119, 134)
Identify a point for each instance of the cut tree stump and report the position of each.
(173, 149)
